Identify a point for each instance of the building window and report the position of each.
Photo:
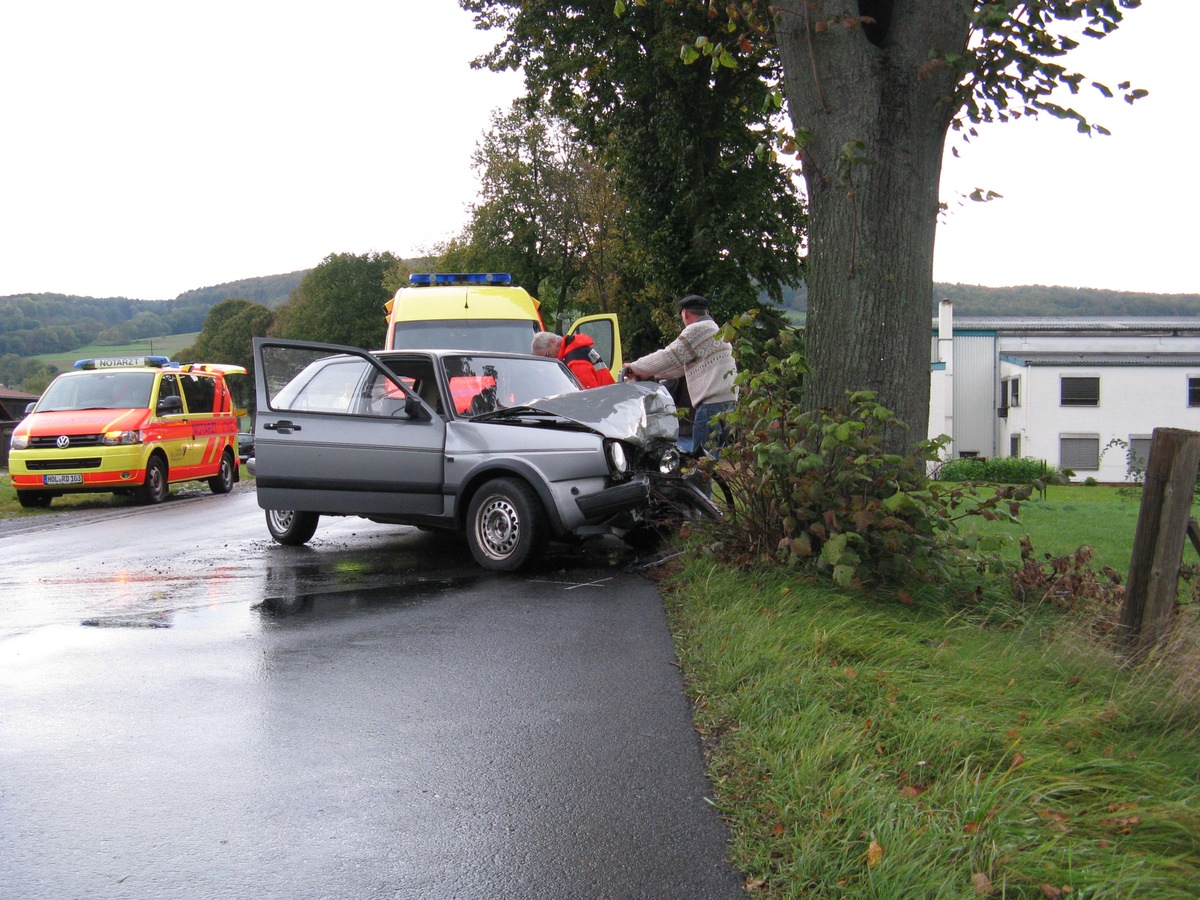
(1139, 453)
(1014, 445)
(1014, 392)
(1080, 391)
(1079, 452)
(1193, 391)
(1004, 393)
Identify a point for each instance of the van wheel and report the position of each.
(155, 488)
(222, 482)
(34, 499)
(506, 526)
(292, 528)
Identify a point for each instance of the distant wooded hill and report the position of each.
(33, 324)
(1038, 300)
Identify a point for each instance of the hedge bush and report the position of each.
(996, 470)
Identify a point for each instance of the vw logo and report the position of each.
(63, 442)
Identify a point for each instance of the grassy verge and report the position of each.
(939, 745)
(11, 508)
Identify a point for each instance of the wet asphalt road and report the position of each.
(189, 710)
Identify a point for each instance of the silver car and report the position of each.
(504, 447)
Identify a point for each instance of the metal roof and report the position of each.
(1099, 324)
(1058, 358)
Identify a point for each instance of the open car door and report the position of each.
(605, 332)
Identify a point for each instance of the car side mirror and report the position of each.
(169, 406)
(413, 408)
(29, 407)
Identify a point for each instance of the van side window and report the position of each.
(200, 393)
(168, 386)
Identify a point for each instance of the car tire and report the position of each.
(222, 482)
(506, 525)
(155, 488)
(34, 499)
(292, 528)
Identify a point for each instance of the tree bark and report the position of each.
(873, 205)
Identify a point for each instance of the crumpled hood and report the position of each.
(636, 411)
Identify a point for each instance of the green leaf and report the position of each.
(843, 576)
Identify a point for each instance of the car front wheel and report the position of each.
(34, 499)
(292, 528)
(222, 482)
(155, 488)
(506, 526)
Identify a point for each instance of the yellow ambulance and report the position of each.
(481, 311)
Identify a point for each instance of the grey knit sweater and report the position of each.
(706, 363)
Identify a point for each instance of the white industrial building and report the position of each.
(1076, 392)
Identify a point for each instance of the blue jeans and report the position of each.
(706, 434)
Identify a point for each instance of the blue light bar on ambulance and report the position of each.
(426, 279)
(112, 362)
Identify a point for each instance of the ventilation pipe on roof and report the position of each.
(946, 356)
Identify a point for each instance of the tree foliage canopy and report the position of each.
(341, 300)
(872, 88)
(698, 207)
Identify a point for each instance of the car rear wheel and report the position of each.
(506, 526)
(34, 499)
(222, 482)
(155, 488)
(292, 528)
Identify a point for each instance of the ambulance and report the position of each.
(481, 311)
(130, 425)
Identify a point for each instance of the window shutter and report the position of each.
(1081, 391)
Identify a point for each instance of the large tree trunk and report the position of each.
(873, 206)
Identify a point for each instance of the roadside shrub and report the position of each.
(816, 489)
(995, 470)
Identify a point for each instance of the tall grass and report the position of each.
(932, 744)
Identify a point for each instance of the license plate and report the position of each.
(62, 479)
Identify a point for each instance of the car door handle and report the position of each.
(283, 427)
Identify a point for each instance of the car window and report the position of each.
(324, 387)
(481, 384)
(346, 385)
(200, 392)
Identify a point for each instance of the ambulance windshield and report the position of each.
(98, 390)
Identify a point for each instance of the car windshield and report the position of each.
(484, 384)
(98, 390)
(502, 335)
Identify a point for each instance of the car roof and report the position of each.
(441, 353)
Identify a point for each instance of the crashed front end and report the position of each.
(648, 486)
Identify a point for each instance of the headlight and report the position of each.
(19, 441)
(121, 438)
(668, 462)
(617, 459)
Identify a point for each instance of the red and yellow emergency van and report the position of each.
(481, 311)
(129, 425)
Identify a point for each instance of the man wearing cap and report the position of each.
(705, 362)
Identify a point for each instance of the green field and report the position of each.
(159, 346)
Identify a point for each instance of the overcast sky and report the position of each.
(151, 148)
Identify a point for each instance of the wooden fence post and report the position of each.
(1162, 528)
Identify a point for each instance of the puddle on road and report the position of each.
(340, 600)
